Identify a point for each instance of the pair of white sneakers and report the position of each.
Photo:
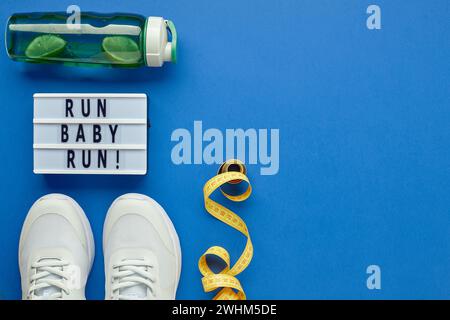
(140, 246)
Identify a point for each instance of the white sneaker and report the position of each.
(141, 250)
(56, 249)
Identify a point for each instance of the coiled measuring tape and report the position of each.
(233, 172)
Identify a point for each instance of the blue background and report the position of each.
(364, 142)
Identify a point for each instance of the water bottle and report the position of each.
(113, 40)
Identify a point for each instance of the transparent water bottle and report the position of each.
(115, 40)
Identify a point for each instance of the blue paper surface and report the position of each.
(364, 128)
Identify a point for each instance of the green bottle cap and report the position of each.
(173, 33)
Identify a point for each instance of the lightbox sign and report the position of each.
(90, 133)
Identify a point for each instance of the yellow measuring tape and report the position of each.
(231, 288)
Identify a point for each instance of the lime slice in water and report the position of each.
(47, 45)
(121, 49)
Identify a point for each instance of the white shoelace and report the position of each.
(49, 274)
(130, 273)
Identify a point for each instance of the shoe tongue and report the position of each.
(48, 291)
(138, 291)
